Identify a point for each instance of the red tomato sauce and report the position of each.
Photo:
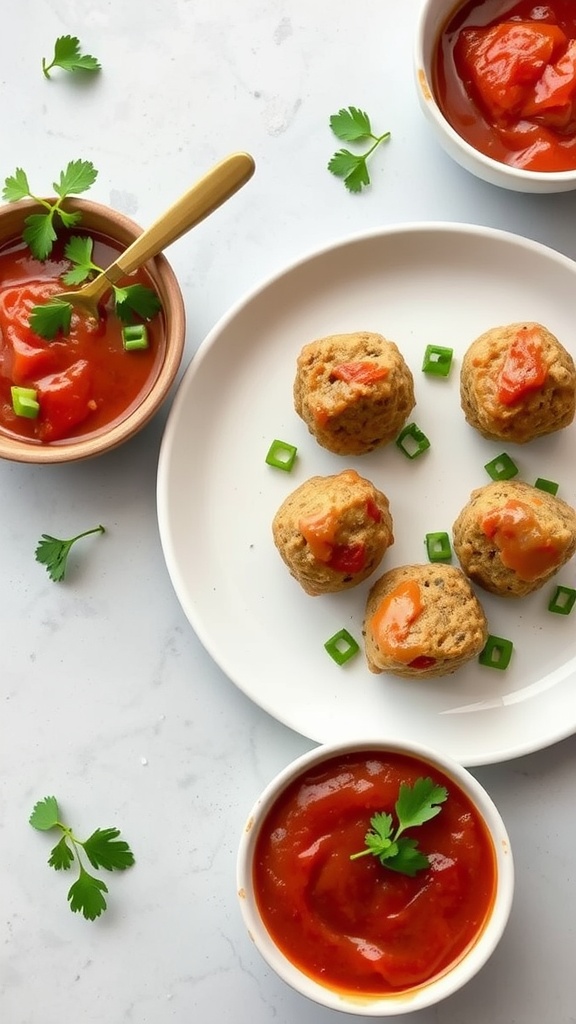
(85, 381)
(505, 78)
(357, 926)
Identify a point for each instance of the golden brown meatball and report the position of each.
(510, 537)
(518, 382)
(354, 391)
(333, 531)
(422, 621)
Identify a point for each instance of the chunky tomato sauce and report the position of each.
(85, 381)
(505, 79)
(357, 926)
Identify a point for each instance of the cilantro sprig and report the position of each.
(39, 230)
(103, 849)
(53, 552)
(69, 57)
(130, 300)
(415, 805)
(351, 124)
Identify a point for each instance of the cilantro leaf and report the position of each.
(135, 298)
(352, 168)
(85, 894)
(378, 839)
(61, 856)
(408, 859)
(16, 187)
(69, 219)
(51, 318)
(79, 251)
(53, 552)
(78, 177)
(351, 125)
(45, 814)
(418, 803)
(343, 163)
(39, 234)
(76, 275)
(67, 55)
(130, 301)
(415, 805)
(358, 177)
(105, 850)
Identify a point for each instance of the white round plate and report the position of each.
(417, 284)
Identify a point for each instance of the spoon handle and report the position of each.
(209, 192)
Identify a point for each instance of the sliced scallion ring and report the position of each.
(497, 653)
(25, 401)
(281, 455)
(342, 646)
(501, 468)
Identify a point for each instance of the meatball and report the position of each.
(422, 621)
(333, 531)
(353, 391)
(518, 382)
(510, 537)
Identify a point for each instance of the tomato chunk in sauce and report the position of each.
(505, 79)
(356, 926)
(85, 381)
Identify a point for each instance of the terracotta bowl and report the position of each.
(120, 229)
(432, 18)
(302, 880)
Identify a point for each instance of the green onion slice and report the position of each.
(546, 485)
(342, 646)
(25, 402)
(563, 601)
(437, 360)
(501, 468)
(496, 653)
(438, 547)
(412, 442)
(281, 455)
(135, 337)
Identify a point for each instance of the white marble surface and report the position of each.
(108, 699)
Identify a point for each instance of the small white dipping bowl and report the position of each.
(455, 975)
(433, 16)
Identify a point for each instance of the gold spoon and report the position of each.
(209, 192)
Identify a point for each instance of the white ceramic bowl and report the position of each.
(433, 16)
(439, 987)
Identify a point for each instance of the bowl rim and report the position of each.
(427, 30)
(123, 229)
(439, 988)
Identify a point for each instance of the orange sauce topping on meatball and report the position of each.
(319, 532)
(392, 620)
(523, 545)
(360, 372)
(524, 368)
